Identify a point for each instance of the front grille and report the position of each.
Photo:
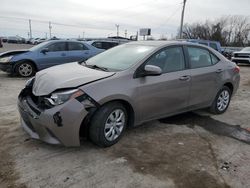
(240, 61)
(242, 55)
(38, 101)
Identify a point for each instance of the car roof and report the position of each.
(162, 43)
(102, 41)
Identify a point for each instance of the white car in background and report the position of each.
(242, 56)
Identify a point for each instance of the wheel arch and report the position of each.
(84, 128)
(230, 86)
(25, 60)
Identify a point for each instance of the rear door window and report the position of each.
(75, 46)
(214, 59)
(57, 47)
(199, 57)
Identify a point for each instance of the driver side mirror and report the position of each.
(149, 70)
(45, 50)
(152, 70)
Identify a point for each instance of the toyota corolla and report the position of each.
(124, 87)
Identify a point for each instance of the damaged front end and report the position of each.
(55, 118)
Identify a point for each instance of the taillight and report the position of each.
(236, 69)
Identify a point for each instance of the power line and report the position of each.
(169, 18)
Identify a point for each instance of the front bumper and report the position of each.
(240, 60)
(6, 67)
(58, 125)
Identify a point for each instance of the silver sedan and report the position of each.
(122, 87)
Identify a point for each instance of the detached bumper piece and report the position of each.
(57, 125)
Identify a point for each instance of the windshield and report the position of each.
(246, 49)
(121, 57)
(37, 47)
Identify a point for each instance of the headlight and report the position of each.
(5, 59)
(57, 98)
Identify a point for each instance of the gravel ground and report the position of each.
(186, 151)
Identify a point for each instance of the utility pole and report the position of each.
(30, 29)
(50, 27)
(117, 29)
(182, 17)
(126, 32)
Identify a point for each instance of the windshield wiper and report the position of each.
(96, 67)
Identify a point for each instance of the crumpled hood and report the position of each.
(65, 76)
(13, 52)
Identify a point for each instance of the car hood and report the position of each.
(13, 52)
(65, 76)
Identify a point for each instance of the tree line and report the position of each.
(229, 30)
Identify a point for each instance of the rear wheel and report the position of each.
(108, 124)
(25, 69)
(221, 101)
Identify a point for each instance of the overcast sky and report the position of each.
(97, 18)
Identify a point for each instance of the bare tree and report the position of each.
(229, 30)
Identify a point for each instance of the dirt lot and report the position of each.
(189, 150)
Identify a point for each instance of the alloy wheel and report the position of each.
(114, 124)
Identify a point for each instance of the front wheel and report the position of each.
(25, 69)
(221, 101)
(108, 124)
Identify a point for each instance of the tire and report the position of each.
(221, 101)
(25, 69)
(102, 128)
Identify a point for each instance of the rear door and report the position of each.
(206, 75)
(77, 51)
(56, 55)
(167, 93)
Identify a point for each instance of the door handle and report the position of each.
(219, 70)
(63, 54)
(184, 78)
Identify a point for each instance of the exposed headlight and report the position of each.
(58, 98)
(5, 59)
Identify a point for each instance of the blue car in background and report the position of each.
(213, 44)
(26, 63)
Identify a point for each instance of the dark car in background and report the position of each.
(13, 40)
(1, 43)
(103, 44)
(27, 62)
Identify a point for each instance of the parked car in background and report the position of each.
(213, 44)
(123, 87)
(27, 62)
(29, 41)
(1, 43)
(38, 41)
(228, 51)
(13, 40)
(4, 39)
(34, 40)
(242, 56)
(103, 44)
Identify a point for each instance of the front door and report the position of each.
(167, 93)
(57, 54)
